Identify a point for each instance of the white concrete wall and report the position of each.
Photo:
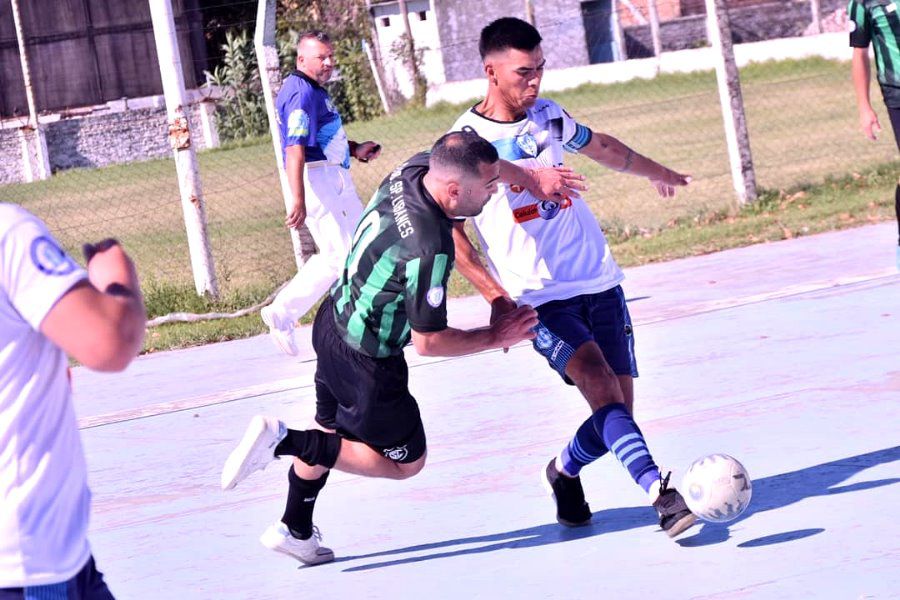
(828, 45)
(425, 36)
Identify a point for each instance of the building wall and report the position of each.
(559, 21)
(97, 141)
(748, 24)
(423, 25)
(665, 9)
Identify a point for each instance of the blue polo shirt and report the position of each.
(306, 117)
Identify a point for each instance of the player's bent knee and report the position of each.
(407, 470)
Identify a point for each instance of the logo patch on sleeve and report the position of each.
(435, 296)
(298, 123)
(49, 258)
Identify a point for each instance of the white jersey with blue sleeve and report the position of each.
(541, 251)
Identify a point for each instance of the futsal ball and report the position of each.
(717, 488)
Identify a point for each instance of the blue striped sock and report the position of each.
(586, 447)
(624, 438)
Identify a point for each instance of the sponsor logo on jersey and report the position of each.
(298, 123)
(527, 143)
(49, 258)
(396, 453)
(545, 209)
(435, 296)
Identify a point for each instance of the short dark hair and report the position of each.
(462, 151)
(314, 34)
(506, 33)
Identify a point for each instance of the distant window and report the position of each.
(422, 15)
(385, 21)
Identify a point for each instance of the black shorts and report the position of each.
(363, 398)
(894, 115)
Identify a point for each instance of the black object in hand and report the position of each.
(89, 250)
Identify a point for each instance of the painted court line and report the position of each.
(297, 383)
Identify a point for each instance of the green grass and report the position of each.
(803, 130)
(839, 203)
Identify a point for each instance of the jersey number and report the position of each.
(365, 233)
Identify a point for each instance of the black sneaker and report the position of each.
(674, 515)
(571, 509)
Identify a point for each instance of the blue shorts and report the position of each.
(603, 318)
(88, 584)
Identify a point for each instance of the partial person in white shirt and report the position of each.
(51, 307)
(552, 254)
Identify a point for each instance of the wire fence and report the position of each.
(801, 116)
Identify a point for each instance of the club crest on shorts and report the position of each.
(527, 143)
(396, 453)
(543, 339)
(49, 258)
(548, 209)
(435, 296)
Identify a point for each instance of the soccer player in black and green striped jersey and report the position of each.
(392, 289)
(877, 22)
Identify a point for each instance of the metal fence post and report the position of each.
(185, 156)
(35, 157)
(736, 137)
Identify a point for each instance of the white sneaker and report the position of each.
(281, 334)
(309, 552)
(256, 450)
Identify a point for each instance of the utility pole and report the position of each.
(35, 157)
(418, 80)
(736, 136)
(192, 204)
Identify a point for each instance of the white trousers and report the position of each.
(333, 209)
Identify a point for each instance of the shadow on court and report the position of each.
(782, 490)
(769, 493)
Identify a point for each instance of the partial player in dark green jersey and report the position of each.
(877, 22)
(393, 289)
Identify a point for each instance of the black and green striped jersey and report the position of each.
(395, 276)
(878, 22)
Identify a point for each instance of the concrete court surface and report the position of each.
(783, 354)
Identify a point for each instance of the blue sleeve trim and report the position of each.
(581, 138)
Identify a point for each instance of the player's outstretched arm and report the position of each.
(546, 183)
(508, 330)
(861, 72)
(610, 152)
(100, 322)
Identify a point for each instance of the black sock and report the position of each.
(314, 447)
(301, 501)
(897, 208)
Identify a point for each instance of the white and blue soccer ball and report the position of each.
(717, 488)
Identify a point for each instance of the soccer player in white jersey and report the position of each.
(554, 256)
(50, 307)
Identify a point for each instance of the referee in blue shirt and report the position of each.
(316, 155)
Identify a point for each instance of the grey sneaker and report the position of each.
(674, 515)
(278, 538)
(255, 451)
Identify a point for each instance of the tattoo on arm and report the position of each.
(629, 157)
